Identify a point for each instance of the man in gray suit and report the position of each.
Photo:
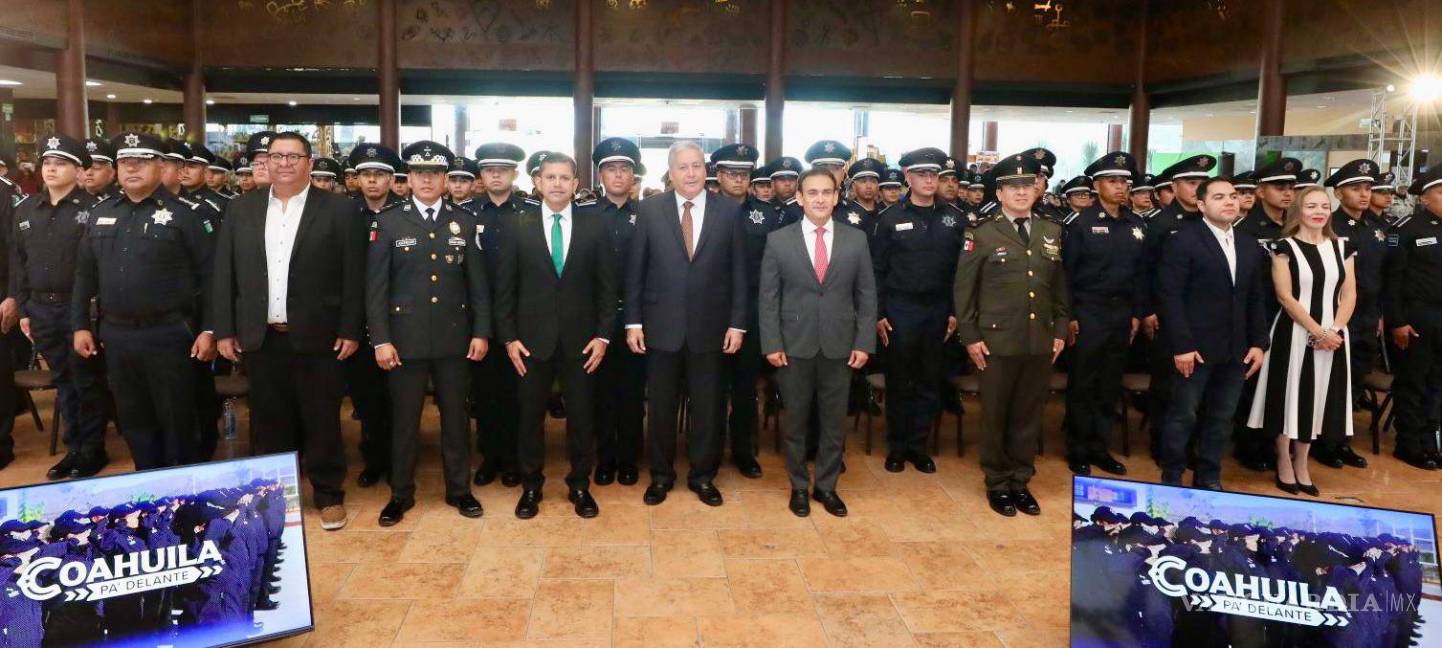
(817, 311)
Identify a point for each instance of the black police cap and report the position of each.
(259, 143)
(133, 144)
(1145, 183)
(325, 168)
(892, 178)
(428, 155)
(1386, 181)
(1045, 159)
(735, 156)
(784, 167)
(464, 167)
(1026, 165)
(616, 149)
(177, 150)
(1309, 178)
(928, 158)
(1425, 181)
(828, 152)
(66, 148)
(1079, 183)
(866, 168)
(1362, 170)
(100, 150)
(948, 166)
(499, 154)
(1283, 170)
(761, 175)
(1196, 166)
(533, 163)
(374, 156)
(1116, 163)
(1245, 180)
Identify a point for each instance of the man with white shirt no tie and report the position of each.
(288, 288)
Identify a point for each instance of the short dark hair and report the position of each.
(818, 172)
(1207, 184)
(294, 136)
(557, 158)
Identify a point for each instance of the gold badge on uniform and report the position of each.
(455, 227)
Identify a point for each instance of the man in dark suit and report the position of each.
(555, 308)
(289, 293)
(685, 306)
(1210, 292)
(817, 308)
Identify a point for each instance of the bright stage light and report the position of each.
(1426, 88)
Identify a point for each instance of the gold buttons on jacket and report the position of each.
(433, 256)
(433, 234)
(435, 278)
(1031, 316)
(437, 299)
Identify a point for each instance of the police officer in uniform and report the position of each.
(1103, 259)
(155, 252)
(975, 190)
(193, 180)
(1246, 190)
(428, 306)
(323, 173)
(1354, 223)
(1412, 300)
(1142, 201)
(10, 196)
(48, 229)
(784, 172)
(257, 151)
(99, 179)
(460, 179)
(244, 174)
(375, 167)
(914, 256)
(493, 381)
(865, 202)
(1382, 198)
(761, 183)
(890, 186)
(1012, 337)
(1275, 188)
(621, 387)
(1078, 194)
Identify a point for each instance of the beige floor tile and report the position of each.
(572, 609)
(466, 620)
(604, 561)
(770, 543)
(857, 620)
(402, 581)
(687, 554)
(502, 572)
(773, 631)
(653, 597)
(656, 632)
(363, 624)
(768, 587)
(857, 575)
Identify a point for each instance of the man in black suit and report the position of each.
(685, 306)
(555, 308)
(1210, 290)
(288, 289)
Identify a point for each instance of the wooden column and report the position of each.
(961, 90)
(1141, 108)
(71, 112)
(584, 99)
(1271, 87)
(748, 127)
(988, 135)
(776, 80)
(1114, 137)
(112, 119)
(193, 98)
(458, 141)
(389, 76)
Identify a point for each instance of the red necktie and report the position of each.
(821, 260)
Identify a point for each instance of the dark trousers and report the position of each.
(408, 395)
(1365, 347)
(9, 396)
(700, 373)
(1417, 393)
(208, 408)
(153, 379)
(1013, 392)
(1163, 371)
(493, 397)
(620, 405)
(1098, 359)
(1202, 406)
(578, 388)
(1247, 445)
(79, 383)
(824, 383)
(913, 370)
(295, 404)
(366, 383)
(739, 377)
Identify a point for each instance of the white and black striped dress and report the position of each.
(1304, 392)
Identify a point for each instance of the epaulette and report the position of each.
(586, 203)
(212, 204)
(1070, 217)
(883, 209)
(24, 199)
(188, 203)
(531, 201)
(389, 206)
(1402, 221)
(791, 200)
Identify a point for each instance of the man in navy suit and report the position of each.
(685, 306)
(1211, 300)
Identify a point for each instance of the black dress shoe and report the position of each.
(510, 479)
(1421, 460)
(394, 512)
(831, 502)
(369, 477)
(628, 475)
(1253, 464)
(748, 468)
(1310, 489)
(1171, 480)
(1269, 462)
(655, 494)
(1001, 502)
(585, 504)
(1108, 464)
(1079, 467)
(271, 589)
(1025, 502)
(61, 469)
(708, 494)
(604, 475)
(529, 504)
(485, 474)
(923, 463)
(799, 505)
(267, 605)
(467, 505)
(895, 463)
(89, 465)
(1290, 489)
(1211, 486)
(1328, 459)
(1351, 458)
(6, 460)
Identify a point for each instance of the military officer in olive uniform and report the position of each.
(914, 255)
(429, 313)
(1413, 303)
(1013, 337)
(493, 381)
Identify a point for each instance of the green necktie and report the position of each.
(558, 244)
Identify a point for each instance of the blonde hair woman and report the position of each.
(1304, 391)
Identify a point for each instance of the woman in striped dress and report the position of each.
(1304, 390)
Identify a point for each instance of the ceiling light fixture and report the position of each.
(9, 82)
(146, 101)
(110, 96)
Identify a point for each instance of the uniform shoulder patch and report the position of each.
(188, 203)
(586, 203)
(26, 199)
(531, 201)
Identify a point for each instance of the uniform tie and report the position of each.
(430, 214)
(686, 227)
(558, 244)
(1021, 231)
(821, 259)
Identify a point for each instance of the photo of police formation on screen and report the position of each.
(1156, 566)
(194, 556)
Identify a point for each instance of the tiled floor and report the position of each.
(920, 561)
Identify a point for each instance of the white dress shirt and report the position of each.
(566, 226)
(435, 209)
(808, 231)
(698, 214)
(281, 224)
(1228, 240)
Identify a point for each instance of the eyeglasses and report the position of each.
(288, 158)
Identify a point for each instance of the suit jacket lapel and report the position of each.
(673, 222)
(307, 216)
(1009, 230)
(800, 242)
(708, 224)
(1217, 253)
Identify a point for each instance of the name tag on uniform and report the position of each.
(1431, 240)
(902, 227)
(406, 242)
(25, 225)
(105, 220)
(456, 240)
(1101, 230)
